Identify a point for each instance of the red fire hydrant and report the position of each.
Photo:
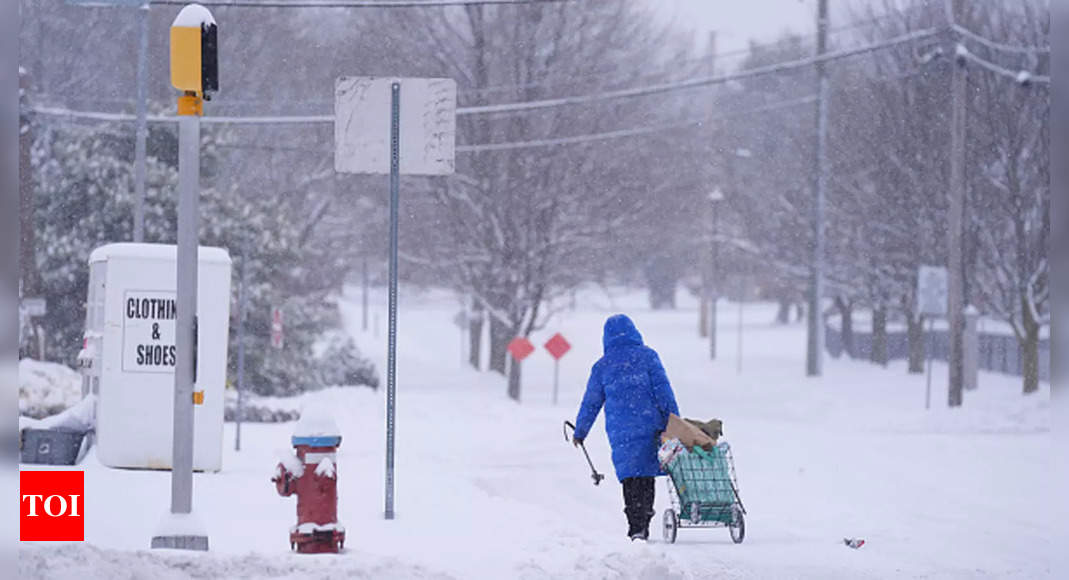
(313, 475)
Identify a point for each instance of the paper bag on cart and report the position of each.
(688, 434)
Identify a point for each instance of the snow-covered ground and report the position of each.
(489, 489)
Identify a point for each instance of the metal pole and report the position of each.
(955, 314)
(142, 128)
(714, 282)
(556, 379)
(466, 336)
(815, 338)
(391, 365)
(928, 349)
(738, 362)
(366, 283)
(242, 307)
(185, 341)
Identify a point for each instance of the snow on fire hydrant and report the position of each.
(312, 475)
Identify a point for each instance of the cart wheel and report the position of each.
(671, 525)
(737, 527)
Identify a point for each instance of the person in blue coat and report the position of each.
(630, 382)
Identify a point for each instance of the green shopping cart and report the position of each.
(704, 493)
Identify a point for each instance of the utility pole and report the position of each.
(27, 244)
(364, 283)
(956, 206)
(706, 298)
(815, 338)
(142, 129)
(715, 199)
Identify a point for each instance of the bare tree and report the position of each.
(1010, 181)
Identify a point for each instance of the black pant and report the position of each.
(638, 504)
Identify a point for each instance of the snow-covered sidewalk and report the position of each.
(489, 489)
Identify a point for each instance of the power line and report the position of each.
(591, 137)
(352, 3)
(694, 83)
(999, 45)
(717, 57)
(473, 148)
(218, 120)
(1021, 77)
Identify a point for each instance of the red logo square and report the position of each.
(52, 506)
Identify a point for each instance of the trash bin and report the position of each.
(51, 446)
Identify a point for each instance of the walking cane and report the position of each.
(597, 477)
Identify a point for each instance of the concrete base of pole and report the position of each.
(180, 532)
(197, 543)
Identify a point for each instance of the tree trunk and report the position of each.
(783, 315)
(1029, 350)
(799, 312)
(515, 372)
(879, 335)
(846, 315)
(500, 335)
(703, 316)
(1030, 363)
(915, 328)
(475, 336)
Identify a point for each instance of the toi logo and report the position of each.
(52, 506)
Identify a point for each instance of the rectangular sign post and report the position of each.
(932, 296)
(418, 125)
(557, 346)
(391, 372)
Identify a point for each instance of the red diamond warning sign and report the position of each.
(521, 348)
(557, 346)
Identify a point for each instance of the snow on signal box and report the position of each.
(558, 346)
(520, 348)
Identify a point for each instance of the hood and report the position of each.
(619, 330)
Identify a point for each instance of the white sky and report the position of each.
(738, 21)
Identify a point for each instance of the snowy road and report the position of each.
(489, 489)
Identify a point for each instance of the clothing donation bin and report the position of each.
(130, 334)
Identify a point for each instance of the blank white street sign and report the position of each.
(932, 292)
(362, 125)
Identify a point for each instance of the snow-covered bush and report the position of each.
(46, 389)
(253, 413)
(341, 364)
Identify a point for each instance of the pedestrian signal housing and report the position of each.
(194, 52)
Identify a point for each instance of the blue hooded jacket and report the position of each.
(630, 382)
